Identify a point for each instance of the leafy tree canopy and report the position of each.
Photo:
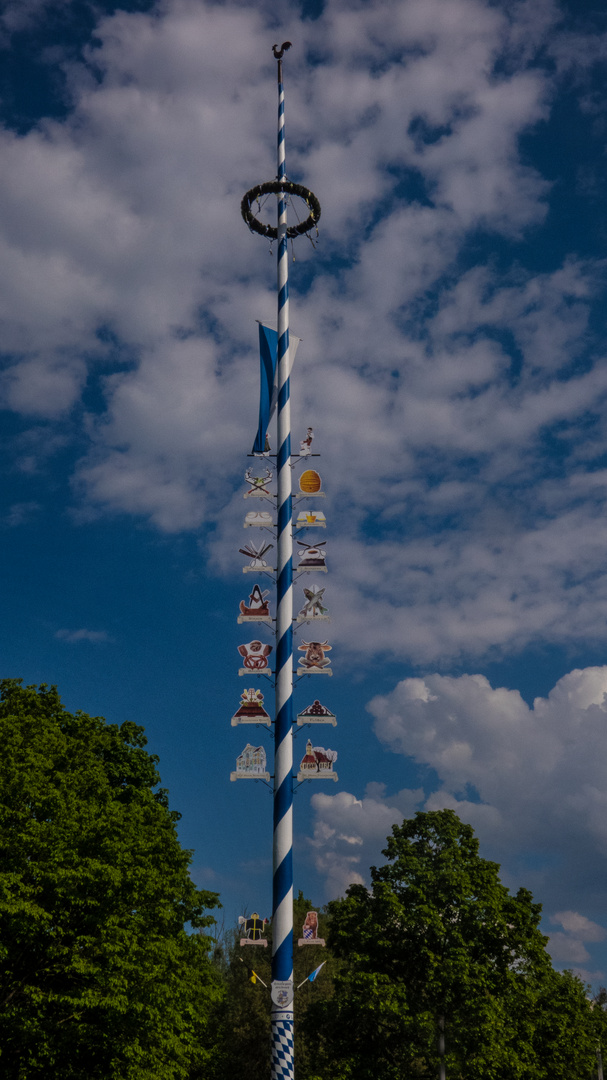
(439, 942)
(98, 976)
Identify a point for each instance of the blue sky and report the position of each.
(453, 366)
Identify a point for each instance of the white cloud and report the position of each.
(505, 583)
(42, 388)
(583, 928)
(127, 211)
(121, 245)
(160, 452)
(73, 636)
(19, 513)
(537, 772)
(568, 948)
(348, 831)
(531, 782)
(17, 14)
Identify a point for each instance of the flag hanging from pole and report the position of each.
(268, 380)
(253, 976)
(316, 971)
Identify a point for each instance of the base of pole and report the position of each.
(283, 1057)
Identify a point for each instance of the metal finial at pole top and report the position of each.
(278, 55)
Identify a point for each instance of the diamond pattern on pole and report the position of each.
(282, 1050)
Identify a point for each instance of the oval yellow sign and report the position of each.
(309, 481)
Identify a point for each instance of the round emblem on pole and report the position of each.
(280, 187)
(282, 993)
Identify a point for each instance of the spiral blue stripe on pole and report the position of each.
(282, 863)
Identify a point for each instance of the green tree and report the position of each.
(243, 1021)
(599, 1021)
(566, 1030)
(439, 941)
(98, 976)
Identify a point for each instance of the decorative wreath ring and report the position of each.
(276, 187)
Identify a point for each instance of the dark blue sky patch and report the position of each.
(32, 80)
(563, 148)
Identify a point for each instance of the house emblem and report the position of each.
(316, 763)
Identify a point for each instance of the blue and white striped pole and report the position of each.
(282, 863)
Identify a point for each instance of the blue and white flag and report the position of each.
(268, 380)
(316, 971)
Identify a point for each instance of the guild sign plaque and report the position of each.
(255, 658)
(258, 517)
(256, 553)
(253, 928)
(314, 661)
(305, 446)
(282, 993)
(258, 485)
(311, 557)
(251, 710)
(307, 519)
(313, 607)
(315, 714)
(251, 764)
(317, 763)
(257, 609)
(310, 483)
(310, 931)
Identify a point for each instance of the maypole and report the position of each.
(251, 763)
(282, 861)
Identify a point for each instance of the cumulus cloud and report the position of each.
(347, 830)
(574, 923)
(530, 780)
(568, 948)
(127, 211)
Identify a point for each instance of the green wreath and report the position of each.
(276, 187)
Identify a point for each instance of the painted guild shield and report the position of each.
(312, 556)
(308, 519)
(256, 552)
(310, 482)
(257, 609)
(251, 764)
(282, 993)
(310, 931)
(317, 763)
(316, 714)
(253, 928)
(314, 660)
(255, 657)
(251, 710)
(262, 518)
